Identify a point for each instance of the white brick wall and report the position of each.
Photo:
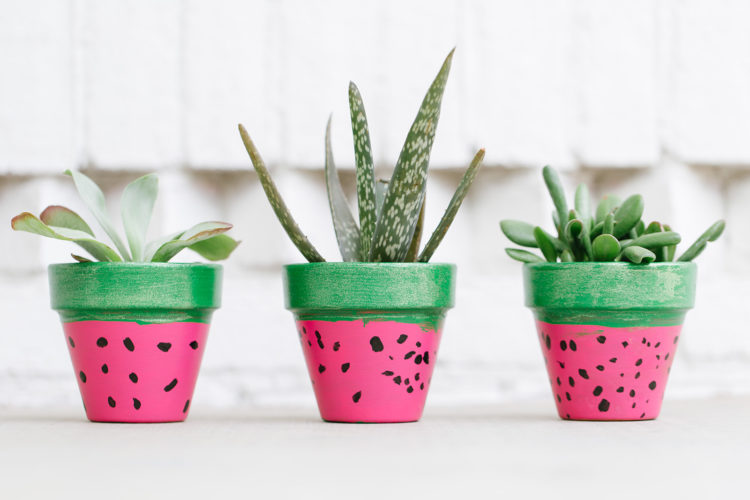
(650, 97)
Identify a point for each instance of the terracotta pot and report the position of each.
(370, 334)
(136, 334)
(608, 333)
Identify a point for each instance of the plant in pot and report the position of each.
(609, 299)
(370, 326)
(135, 324)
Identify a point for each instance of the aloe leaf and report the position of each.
(609, 224)
(31, 224)
(557, 193)
(381, 187)
(368, 214)
(93, 197)
(199, 232)
(523, 256)
(347, 232)
(403, 201)
(277, 203)
(136, 207)
(583, 203)
(654, 240)
(416, 240)
(711, 234)
(519, 232)
(627, 215)
(80, 259)
(59, 216)
(453, 206)
(605, 248)
(638, 255)
(606, 205)
(215, 248)
(545, 244)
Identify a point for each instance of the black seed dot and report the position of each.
(402, 338)
(133, 377)
(406, 382)
(598, 390)
(657, 345)
(409, 354)
(105, 368)
(418, 359)
(613, 360)
(563, 345)
(426, 358)
(309, 343)
(658, 357)
(171, 385)
(600, 368)
(136, 404)
(643, 414)
(567, 396)
(304, 330)
(620, 389)
(187, 405)
(336, 346)
(625, 344)
(410, 389)
(622, 374)
(652, 385)
(639, 362)
(638, 374)
(397, 379)
(70, 340)
(567, 415)
(632, 393)
(562, 365)
(559, 382)
(344, 367)
(390, 357)
(571, 382)
(643, 341)
(421, 386)
(648, 344)
(633, 405)
(676, 339)
(320, 342)
(376, 344)
(419, 344)
(82, 376)
(388, 373)
(111, 402)
(601, 339)
(321, 368)
(101, 342)
(603, 405)
(128, 344)
(548, 342)
(416, 377)
(583, 373)
(164, 346)
(194, 345)
(559, 399)
(573, 346)
(356, 396)
(666, 356)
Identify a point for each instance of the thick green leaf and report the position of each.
(199, 232)
(585, 239)
(523, 255)
(605, 247)
(638, 255)
(627, 215)
(557, 193)
(573, 230)
(662, 253)
(671, 249)
(217, 247)
(31, 224)
(711, 234)
(58, 216)
(136, 207)
(519, 232)
(93, 197)
(277, 203)
(403, 201)
(567, 256)
(368, 214)
(609, 224)
(640, 227)
(606, 205)
(453, 206)
(347, 232)
(654, 240)
(416, 240)
(545, 244)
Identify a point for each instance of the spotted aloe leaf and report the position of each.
(137, 205)
(403, 200)
(711, 234)
(416, 240)
(277, 203)
(59, 216)
(31, 224)
(453, 206)
(368, 213)
(195, 234)
(381, 187)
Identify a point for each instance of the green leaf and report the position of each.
(711, 234)
(609, 224)
(627, 215)
(640, 227)
(368, 213)
(545, 244)
(638, 255)
(347, 232)
(671, 249)
(80, 259)
(606, 248)
(58, 216)
(381, 187)
(519, 232)
(199, 232)
(416, 240)
(573, 230)
(654, 240)
(606, 205)
(136, 206)
(93, 197)
(523, 255)
(31, 224)
(217, 247)
(277, 203)
(403, 201)
(453, 206)
(567, 256)
(585, 239)
(583, 203)
(557, 193)
(662, 253)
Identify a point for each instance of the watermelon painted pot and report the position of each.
(136, 334)
(609, 332)
(370, 334)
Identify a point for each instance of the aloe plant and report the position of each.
(137, 203)
(391, 212)
(615, 231)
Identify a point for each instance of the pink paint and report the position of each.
(603, 373)
(122, 385)
(377, 371)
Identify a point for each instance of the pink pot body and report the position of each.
(131, 372)
(369, 371)
(608, 373)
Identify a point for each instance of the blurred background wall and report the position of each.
(640, 96)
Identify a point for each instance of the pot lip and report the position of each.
(586, 266)
(134, 265)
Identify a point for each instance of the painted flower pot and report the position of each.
(136, 334)
(370, 334)
(609, 332)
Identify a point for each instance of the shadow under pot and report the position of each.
(370, 334)
(609, 332)
(136, 334)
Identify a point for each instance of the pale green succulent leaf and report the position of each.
(627, 215)
(544, 241)
(215, 248)
(606, 206)
(519, 232)
(136, 206)
(605, 248)
(523, 256)
(557, 193)
(59, 216)
(638, 255)
(711, 234)
(199, 232)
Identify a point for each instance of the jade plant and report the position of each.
(137, 203)
(391, 212)
(615, 231)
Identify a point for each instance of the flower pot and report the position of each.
(609, 332)
(136, 334)
(370, 334)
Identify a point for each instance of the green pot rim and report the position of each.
(368, 286)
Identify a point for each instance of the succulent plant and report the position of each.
(391, 213)
(137, 204)
(614, 232)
